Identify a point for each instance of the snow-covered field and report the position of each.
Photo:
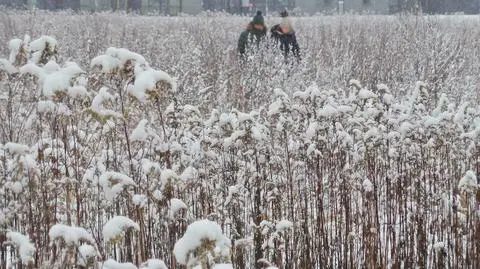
(141, 142)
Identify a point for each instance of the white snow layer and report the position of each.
(85, 254)
(175, 206)
(193, 237)
(147, 80)
(113, 264)
(140, 133)
(154, 264)
(367, 185)
(17, 148)
(71, 235)
(7, 67)
(113, 183)
(14, 46)
(223, 266)
(22, 243)
(97, 103)
(468, 182)
(60, 80)
(116, 226)
(283, 225)
(42, 43)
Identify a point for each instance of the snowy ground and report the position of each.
(143, 141)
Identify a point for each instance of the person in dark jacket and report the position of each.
(284, 35)
(254, 33)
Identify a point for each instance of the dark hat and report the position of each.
(284, 14)
(258, 19)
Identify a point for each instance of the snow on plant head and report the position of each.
(153, 264)
(7, 67)
(366, 94)
(25, 249)
(42, 43)
(98, 101)
(151, 83)
(175, 206)
(15, 148)
(283, 225)
(140, 200)
(355, 83)
(115, 227)
(58, 81)
(367, 185)
(33, 69)
(14, 45)
(168, 175)
(71, 235)
(189, 173)
(77, 92)
(124, 55)
(43, 49)
(113, 183)
(108, 63)
(468, 182)
(141, 132)
(19, 50)
(113, 264)
(439, 246)
(115, 58)
(203, 242)
(51, 67)
(86, 255)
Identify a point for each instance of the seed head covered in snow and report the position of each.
(124, 55)
(22, 243)
(468, 182)
(42, 43)
(17, 148)
(7, 67)
(115, 58)
(33, 69)
(114, 228)
(198, 233)
(439, 246)
(366, 94)
(77, 92)
(71, 235)
(113, 264)
(14, 45)
(367, 185)
(140, 200)
(328, 111)
(154, 264)
(60, 80)
(188, 174)
(140, 133)
(86, 255)
(283, 225)
(167, 175)
(107, 62)
(97, 103)
(175, 206)
(355, 83)
(147, 81)
(113, 183)
(46, 106)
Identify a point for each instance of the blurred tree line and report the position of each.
(237, 6)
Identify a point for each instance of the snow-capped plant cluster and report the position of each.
(111, 162)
